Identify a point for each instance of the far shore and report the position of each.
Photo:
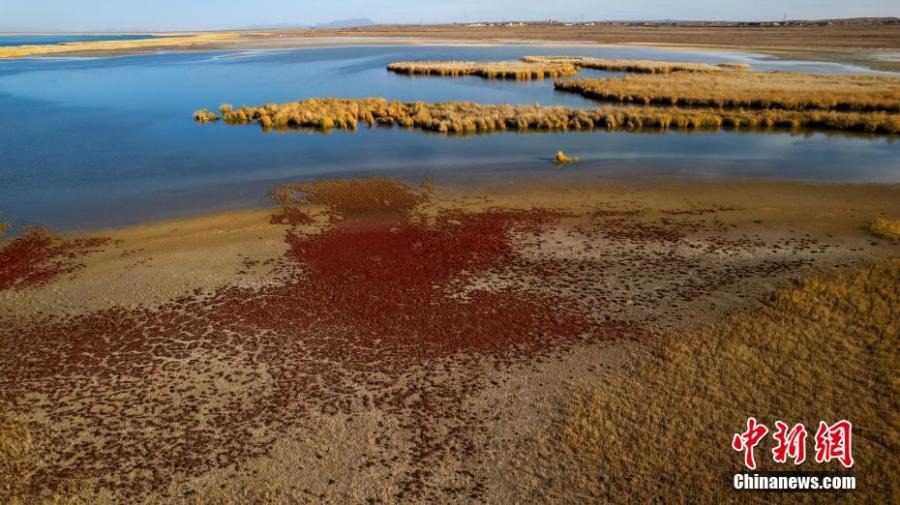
(876, 46)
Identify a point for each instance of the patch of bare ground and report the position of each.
(408, 340)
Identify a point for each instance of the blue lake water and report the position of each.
(92, 142)
(25, 40)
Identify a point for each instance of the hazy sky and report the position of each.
(212, 14)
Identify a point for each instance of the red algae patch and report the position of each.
(38, 256)
(391, 282)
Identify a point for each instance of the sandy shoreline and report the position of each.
(171, 257)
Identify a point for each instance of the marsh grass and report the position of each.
(518, 70)
(4, 227)
(467, 117)
(541, 67)
(886, 228)
(825, 349)
(637, 66)
(752, 90)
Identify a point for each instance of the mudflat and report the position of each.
(332, 348)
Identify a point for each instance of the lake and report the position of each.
(95, 142)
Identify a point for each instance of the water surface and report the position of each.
(91, 142)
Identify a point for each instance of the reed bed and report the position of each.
(518, 70)
(637, 66)
(753, 90)
(470, 118)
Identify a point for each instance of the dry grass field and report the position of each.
(825, 349)
(467, 117)
(752, 90)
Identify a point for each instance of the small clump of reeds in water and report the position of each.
(205, 116)
(562, 158)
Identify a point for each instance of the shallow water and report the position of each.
(90, 142)
(25, 40)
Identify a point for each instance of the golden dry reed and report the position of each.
(659, 432)
(467, 117)
(753, 90)
(638, 66)
(4, 226)
(517, 70)
(205, 116)
(541, 67)
(887, 228)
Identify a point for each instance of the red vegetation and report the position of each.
(370, 198)
(374, 312)
(392, 283)
(37, 257)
